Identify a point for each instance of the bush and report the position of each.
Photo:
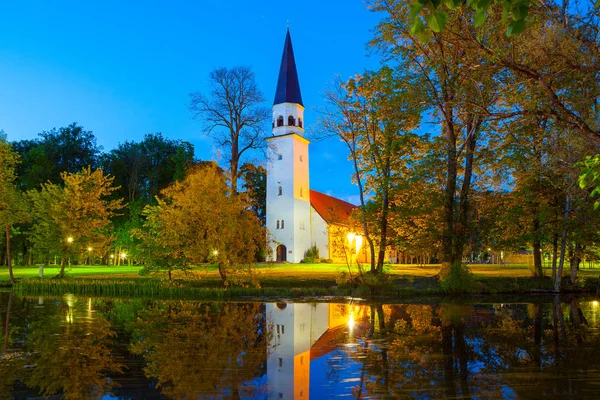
(311, 254)
(327, 260)
(456, 278)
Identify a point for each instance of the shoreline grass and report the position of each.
(278, 281)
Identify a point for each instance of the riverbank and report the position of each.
(282, 281)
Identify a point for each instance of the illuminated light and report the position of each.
(123, 255)
(215, 253)
(489, 249)
(351, 237)
(89, 249)
(595, 303)
(351, 321)
(112, 256)
(359, 241)
(70, 239)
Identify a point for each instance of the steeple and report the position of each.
(288, 86)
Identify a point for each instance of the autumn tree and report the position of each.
(12, 205)
(74, 216)
(232, 113)
(198, 220)
(457, 85)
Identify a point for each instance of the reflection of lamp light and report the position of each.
(215, 253)
(595, 303)
(351, 320)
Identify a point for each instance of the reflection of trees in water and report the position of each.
(58, 350)
(484, 351)
(200, 350)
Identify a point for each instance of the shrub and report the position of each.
(456, 278)
(312, 253)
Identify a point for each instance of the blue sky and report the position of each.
(124, 68)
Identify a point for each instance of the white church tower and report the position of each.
(288, 193)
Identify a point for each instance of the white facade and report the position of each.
(288, 196)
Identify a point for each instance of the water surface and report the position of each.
(82, 348)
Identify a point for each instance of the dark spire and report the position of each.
(288, 87)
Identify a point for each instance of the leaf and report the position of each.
(453, 4)
(515, 27)
(506, 6)
(417, 27)
(437, 20)
(519, 10)
(480, 17)
(415, 9)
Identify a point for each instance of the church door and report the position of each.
(281, 253)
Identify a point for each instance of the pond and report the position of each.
(82, 348)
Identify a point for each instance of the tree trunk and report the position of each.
(8, 257)
(63, 262)
(223, 273)
(383, 229)
(537, 249)
(461, 230)
(449, 197)
(362, 208)
(563, 244)
(575, 260)
(554, 255)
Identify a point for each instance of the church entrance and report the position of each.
(281, 253)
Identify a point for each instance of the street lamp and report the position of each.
(70, 239)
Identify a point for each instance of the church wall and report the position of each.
(280, 207)
(319, 233)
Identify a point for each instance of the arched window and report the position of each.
(301, 192)
(277, 224)
(282, 226)
(301, 160)
(280, 120)
(300, 122)
(273, 124)
(279, 191)
(291, 121)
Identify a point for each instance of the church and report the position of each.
(298, 218)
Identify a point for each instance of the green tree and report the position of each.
(233, 114)
(12, 205)
(72, 217)
(68, 149)
(255, 184)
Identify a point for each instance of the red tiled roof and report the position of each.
(332, 210)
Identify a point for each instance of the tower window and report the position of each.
(282, 226)
(301, 192)
(279, 191)
(279, 157)
(277, 224)
(301, 158)
(300, 122)
(291, 121)
(280, 120)
(280, 362)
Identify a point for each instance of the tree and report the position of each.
(232, 114)
(68, 149)
(75, 216)
(198, 220)
(255, 184)
(373, 114)
(460, 92)
(12, 205)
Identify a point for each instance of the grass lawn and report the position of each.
(303, 274)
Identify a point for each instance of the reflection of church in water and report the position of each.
(301, 333)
